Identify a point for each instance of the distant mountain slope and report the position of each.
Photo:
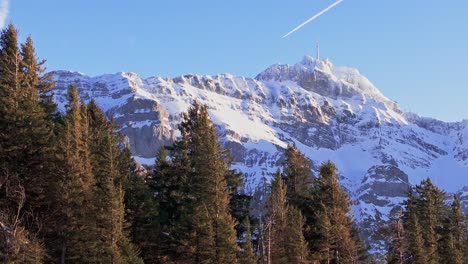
(330, 113)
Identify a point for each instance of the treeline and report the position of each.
(71, 193)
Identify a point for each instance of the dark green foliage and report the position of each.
(246, 253)
(26, 133)
(452, 234)
(76, 226)
(169, 186)
(300, 184)
(298, 177)
(431, 232)
(105, 157)
(284, 240)
(194, 221)
(422, 219)
(33, 76)
(27, 141)
(397, 250)
(430, 203)
(414, 237)
(333, 232)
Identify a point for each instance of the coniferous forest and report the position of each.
(70, 192)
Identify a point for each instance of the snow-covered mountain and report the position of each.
(329, 112)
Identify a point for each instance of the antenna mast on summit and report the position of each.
(318, 49)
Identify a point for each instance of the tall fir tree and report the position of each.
(334, 241)
(169, 186)
(246, 253)
(299, 181)
(108, 190)
(75, 225)
(452, 232)
(34, 75)
(284, 239)
(414, 238)
(209, 167)
(397, 249)
(298, 177)
(430, 206)
(41, 110)
(193, 190)
(27, 141)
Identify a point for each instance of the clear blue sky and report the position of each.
(415, 52)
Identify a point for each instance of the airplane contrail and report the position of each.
(313, 18)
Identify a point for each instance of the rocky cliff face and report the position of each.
(330, 113)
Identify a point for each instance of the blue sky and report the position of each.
(415, 52)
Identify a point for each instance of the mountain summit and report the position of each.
(329, 112)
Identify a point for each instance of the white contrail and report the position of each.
(313, 18)
(3, 12)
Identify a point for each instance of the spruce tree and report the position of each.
(76, 225)
(416, 253)
(209, 166)
(246, 253)
(397, 249)
(299, 183)
(193, 190)
(108, 191)
(140, 210)
(27, 142)
(169, 186)
(334, 235)
(295, 243)
(451, 242)
(284, 239)
(430, 207)
(34, 75)
(298, 177)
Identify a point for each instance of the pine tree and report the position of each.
(239, 200)
(299, 181)
(430, 207)
(40, 109)
(209, 166)
(140, 208)
(193, 195)
(27, 142)
(276, 222)
(284, 227)
(10, 59)
(414, 238)
(246, 254)
(296, 245)
(108, 191)
(451, 242)
(334, 235)
(297, 177)
(76, 226)
(397, 249)
(169, 187)
(33, 76)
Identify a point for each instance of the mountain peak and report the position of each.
(326, 79)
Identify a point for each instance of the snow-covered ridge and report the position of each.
(329, 112)
(312, 74)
